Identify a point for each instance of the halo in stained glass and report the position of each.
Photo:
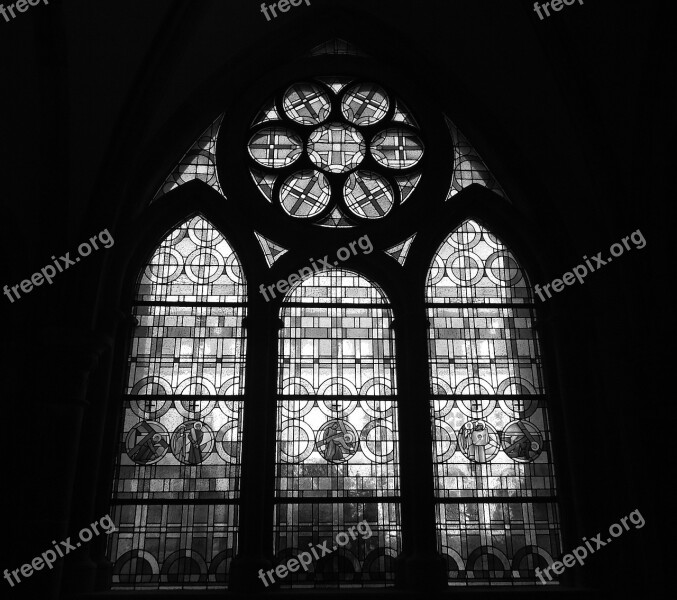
(192, 442)
(368, 195)
(365, 104)
(336, 147)
(479, 441)
(396, 148)
(305, 194)
(275, 147)
(337, 441)
(306, 103)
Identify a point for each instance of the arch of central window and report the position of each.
(176, 488)
(497, 515)
(337, 456)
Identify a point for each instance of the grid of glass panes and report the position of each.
(497, 514)
(178, 469)
(337, 457)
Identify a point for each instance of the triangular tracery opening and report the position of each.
(336, 46)
(265, 183)
(336, 219)
(271, 250)
(198, 163)
(335, 83)
(400, 251)
(469, 168)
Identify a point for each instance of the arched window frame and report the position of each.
(463, 197)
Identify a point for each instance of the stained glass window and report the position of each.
(338, 128)
(497, 515)
(337, 458)
(176, 489)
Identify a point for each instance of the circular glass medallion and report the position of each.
(275, 147)
(306, 103)
(478, 441)
(192, 442)
(396, 148)
(337, 441)
(502, 269)
(522, 441)
(368, 195)
(365, 104)
(147, 442)
(305, 194)
(336, 148)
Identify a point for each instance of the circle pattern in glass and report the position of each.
(368, 195)
(305, 194)
(341, 168)
(365, 104)
(275, 147)
(336, 148)
(397, 148)
(306, 103)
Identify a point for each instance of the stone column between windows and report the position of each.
(258, 448)
(420, 566)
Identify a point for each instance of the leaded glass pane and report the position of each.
(397, 148)
(172, 546)
(180, 436)
(275, 147)
(365, 104)
(368, 195)
(198, 163)
(306, 103)
(489, 413)
(472, 266)
(336, 148)
(305, 194)
(498, 543)
(337, 431)
(469, 168)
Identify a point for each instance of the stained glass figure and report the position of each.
(337, 433)
(198, 163)
(176, 488)
(497, 517)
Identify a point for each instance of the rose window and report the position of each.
(335, 152)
